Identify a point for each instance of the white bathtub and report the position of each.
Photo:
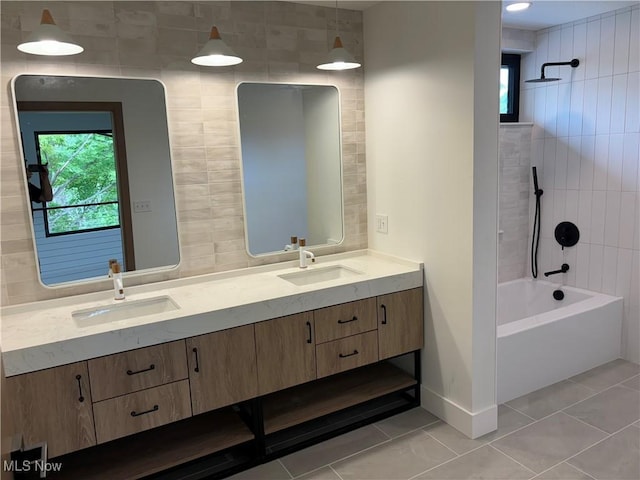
(543, 341)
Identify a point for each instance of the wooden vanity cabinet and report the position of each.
(344, 320)
(285, 352)
(122, 402)
(53, 406)
(139, 411)
(138, 369)
(222, 368)
(400, 323)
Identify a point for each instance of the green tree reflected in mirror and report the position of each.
(83, 175)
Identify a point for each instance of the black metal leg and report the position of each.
(258, 426)
(417, 372)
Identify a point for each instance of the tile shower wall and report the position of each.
(280, 42)
(515, 191)
(586, 142)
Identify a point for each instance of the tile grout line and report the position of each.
(356, 453)
(580, 452)
(521, 413)
(571, 404)
(457, 456)
(564, 460)
(381, 431)
(447, 447)
(285, 469)
(560, 463)
(346, 457)
(422, 427)
(587, 448)
(592, 426)
(334, 471)
(511, 458)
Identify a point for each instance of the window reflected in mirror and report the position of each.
(87, 175)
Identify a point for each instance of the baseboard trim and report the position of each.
(473, 425)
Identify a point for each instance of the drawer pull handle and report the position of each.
(151, 367)
(309, 340)
(384, 314)
(345, 355)
(348, 321)
(136, 414)
(81, 398)
(197, 367)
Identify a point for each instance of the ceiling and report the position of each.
(548, 13)
(541, 14)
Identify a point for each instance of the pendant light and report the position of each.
(339, 58)
(49, 39)
(216, 53)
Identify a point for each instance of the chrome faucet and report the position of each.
(305, 254)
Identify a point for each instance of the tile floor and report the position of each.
(586, 427)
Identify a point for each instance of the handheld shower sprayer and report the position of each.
(535, 236)
(574, 63)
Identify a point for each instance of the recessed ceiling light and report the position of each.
(517, 7)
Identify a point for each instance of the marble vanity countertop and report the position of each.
(44, 334)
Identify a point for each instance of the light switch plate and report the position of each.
(142, 206)
(382, 224)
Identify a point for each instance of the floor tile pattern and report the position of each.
(584, 428)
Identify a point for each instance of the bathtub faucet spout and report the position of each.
(563, 269)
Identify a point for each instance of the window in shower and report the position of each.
(509, 87)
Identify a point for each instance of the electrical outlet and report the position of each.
(142, 206)
(382, 224)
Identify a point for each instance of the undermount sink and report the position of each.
(126, 309)
(317, 275)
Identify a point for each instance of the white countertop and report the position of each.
(43, 334)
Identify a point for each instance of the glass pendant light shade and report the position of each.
(48, 39)
(216, 53)
(339, 58)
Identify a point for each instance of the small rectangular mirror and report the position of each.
(291, 165)
(98, 169)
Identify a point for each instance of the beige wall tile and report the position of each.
(280, 42)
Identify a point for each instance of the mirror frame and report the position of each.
(320, 246)
(92, 280)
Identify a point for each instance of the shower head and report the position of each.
(542, 80)
(574, 63)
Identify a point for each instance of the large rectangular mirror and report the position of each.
(291, 165)
(98, 170)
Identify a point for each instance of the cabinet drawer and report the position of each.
(133, 413)
(345, 320)
(135, 370)
(347, 353)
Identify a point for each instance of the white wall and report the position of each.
(431, 91)
(585, 145)
(324, 165)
